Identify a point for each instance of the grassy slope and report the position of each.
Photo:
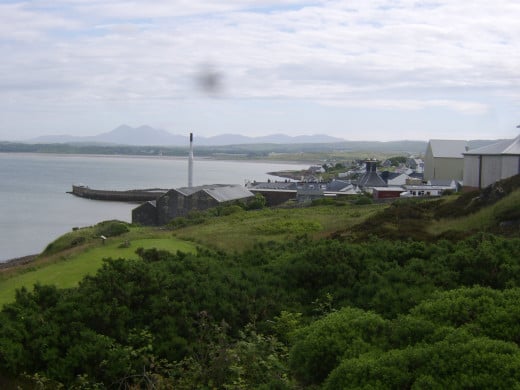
(67, 264)
(483, 220)
(239, 231)
(70, 268)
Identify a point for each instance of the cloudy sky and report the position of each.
(357, 69)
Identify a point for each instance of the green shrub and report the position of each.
(257, 203)
(325, 201)
(111, 228)
(69, 240)
(457, 362)
(363, 199)
(321, 346)
(227, 210)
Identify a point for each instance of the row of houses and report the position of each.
(446, 165)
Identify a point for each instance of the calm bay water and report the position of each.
(35, 207)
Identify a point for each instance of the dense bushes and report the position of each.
(341, 335)
(280, 316)
(457, 362)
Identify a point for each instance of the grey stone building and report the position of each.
(180, 201)
(145, 214)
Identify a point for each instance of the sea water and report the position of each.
(35, 207)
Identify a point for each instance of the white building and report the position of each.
(444, 159)
(424, 190)
(485, 166)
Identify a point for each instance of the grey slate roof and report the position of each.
(387, 175)
(187, 191)
(441, 182)
(227, 193)
(371, 179)
(338, 185)
(416, 175)
(507, 147)
(275, 186)
(448, 148)
(219, 192)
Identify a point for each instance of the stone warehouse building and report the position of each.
(180, 201)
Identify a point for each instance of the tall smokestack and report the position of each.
(190, 163)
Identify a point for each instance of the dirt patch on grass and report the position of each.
(17, 261)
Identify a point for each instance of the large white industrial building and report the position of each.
(486, 165)
(444, 159)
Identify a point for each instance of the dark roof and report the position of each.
(219, 192)
(337, 185)
(371, 179)
(416, 175)
(227, 193)
(387, 175)
(148, 203)
(275, 186)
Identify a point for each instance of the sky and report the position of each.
(358, 69)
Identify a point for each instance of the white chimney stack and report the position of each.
(190, 163)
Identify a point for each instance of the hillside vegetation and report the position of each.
(407, 295)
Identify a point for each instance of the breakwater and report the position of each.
(141, 195)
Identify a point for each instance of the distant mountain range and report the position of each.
(135, 137)
(149, 136)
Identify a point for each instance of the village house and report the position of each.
(423, 190)
(416, 164)
(274, 192)
(394, 178)
(371, 178)
(382, 193)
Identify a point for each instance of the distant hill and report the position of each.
(126, 136)
(147, 136)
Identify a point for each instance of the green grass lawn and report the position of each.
(71, 269)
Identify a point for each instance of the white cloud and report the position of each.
(394, 55)
(465, 107)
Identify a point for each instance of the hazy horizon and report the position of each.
(360, 71)
(186, 135)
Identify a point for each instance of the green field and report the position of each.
(72, 268)
(242, 230)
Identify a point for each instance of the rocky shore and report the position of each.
(17, 261)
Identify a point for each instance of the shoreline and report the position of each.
(9, 263)
(157, 157)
